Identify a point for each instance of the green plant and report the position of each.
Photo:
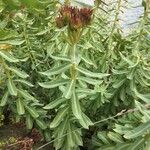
(16, 55)
(88, 69)
(72, 78)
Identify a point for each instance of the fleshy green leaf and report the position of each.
(90, 80)
(144, 73)
(7, 34)
(24, 82)
(103, 137)
(85, 121)
(63, 58)
(78, 138)
(11, 87)
(59, 117)
(115, 137)
(54, 103)
(13, 42)
(29, 122)
(119, 71)
(60, 132)
(41, 124)
(87, 60)
(4, 99)
(126, 59)
(92, 74)
(144, 97)
(137, 144)
(20, 107)
(7, 56)
(130, 75)
(76, 109)
(26, 95)
(118, 83)
(138, 131)
(69, 89)
(21, 74)
(32, 112)
(53, 84)
(70, 137)
(56, 70)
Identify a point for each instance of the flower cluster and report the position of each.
(74, 17)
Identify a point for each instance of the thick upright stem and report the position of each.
(73, 54)
(73, 70)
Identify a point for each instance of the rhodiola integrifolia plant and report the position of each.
(90, 70)
(73, 80)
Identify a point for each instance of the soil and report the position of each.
(8, 131)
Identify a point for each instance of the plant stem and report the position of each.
(27, 41)
(73, 70)
(73, 55)
(116, 17)
(141, 31)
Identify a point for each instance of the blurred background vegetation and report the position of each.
(113, 77)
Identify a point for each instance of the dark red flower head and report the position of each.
(65, 12)
(86, 14)
(74, 17)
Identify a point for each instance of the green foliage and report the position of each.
(63, 81)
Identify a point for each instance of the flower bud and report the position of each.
(74, 17)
